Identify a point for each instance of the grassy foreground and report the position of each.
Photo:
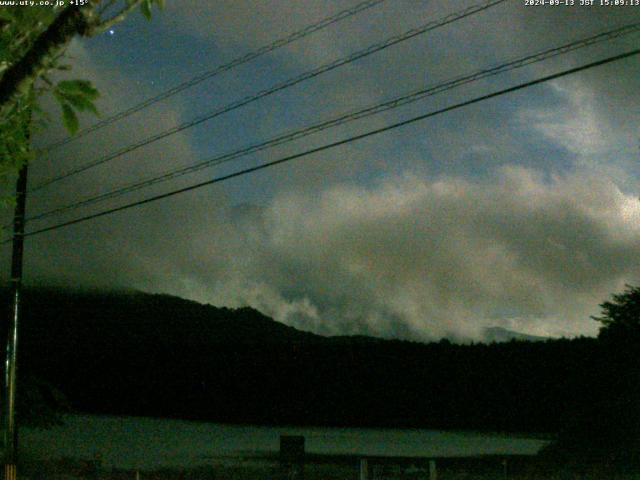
(346, 469)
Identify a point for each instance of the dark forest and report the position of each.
(157, 355)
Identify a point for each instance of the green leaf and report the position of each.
(81, 103)
(6, 14)
(78, 94)
(160, 4)
(59, 96)
(78, 87)
(145, 8)
(7, 200)
(69, 118)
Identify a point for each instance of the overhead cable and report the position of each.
(281, 42)
(277, 88)
(334, 144)
(348, 117)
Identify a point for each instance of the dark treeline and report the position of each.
(156, 355)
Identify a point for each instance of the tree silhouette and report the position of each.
(605, 426)
(620, 320)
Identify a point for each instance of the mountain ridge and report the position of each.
(500, 334)
(161, 356)
(240, 324)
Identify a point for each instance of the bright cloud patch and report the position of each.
(425, 259)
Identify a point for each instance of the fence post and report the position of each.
(433, 474)
(364, 469)
(292, 455)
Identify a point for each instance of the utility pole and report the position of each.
(9, 420)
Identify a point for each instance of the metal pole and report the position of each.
(364, 469)
(433, 473)
(10, 425)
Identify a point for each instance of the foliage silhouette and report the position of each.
(33, 41)
(620, 319)
(156, 355)
(606, 428)
(131, 353)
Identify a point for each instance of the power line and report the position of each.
(278, 87)
(348, 117)
(337, 143)
(281, 42)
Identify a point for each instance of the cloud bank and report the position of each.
(519, 212)
(426, 259)
(407, 257)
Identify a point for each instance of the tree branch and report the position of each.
(20, 76)
(106, 6)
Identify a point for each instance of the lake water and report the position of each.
(131, 442)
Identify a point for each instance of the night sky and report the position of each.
(520, 211)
